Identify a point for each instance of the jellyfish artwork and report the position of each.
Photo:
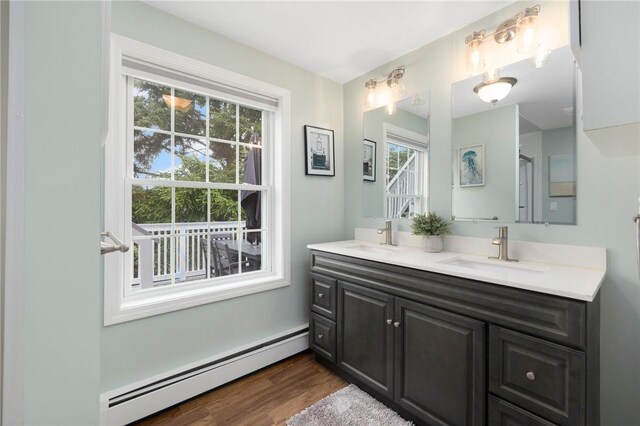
(471, 174)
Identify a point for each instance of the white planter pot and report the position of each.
(432, 243)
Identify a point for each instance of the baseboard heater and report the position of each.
(136, 401)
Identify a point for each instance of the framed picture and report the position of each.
(319, 148)
(368, 160)
(471, 165)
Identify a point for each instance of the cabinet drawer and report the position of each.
(322, 336)
(542, 377)
(501, 413)
(323, 295)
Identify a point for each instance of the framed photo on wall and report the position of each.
(471, 165)
(320, 154)
(368, 160)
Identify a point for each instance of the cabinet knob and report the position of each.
(320, 336)
(396, 324)
(320, 295)
(389, 321)
(531, 375)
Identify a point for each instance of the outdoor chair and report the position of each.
(211, 259)
(227, 261)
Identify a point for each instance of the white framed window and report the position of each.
(406, 156)
(196, 182)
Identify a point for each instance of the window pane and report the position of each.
(250, 165)
(224, 205)
(191, 113)
(190, 160)
(250, 125)
(151, 105)
(251, 251)
(150, 205)
(151, 234)
(222, 120)
(222, 164)
(191, 233)
(152, 155)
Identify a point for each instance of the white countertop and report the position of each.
(573, 282)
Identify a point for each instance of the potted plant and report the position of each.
(432, 227)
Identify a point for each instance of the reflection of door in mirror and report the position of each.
(401, 190)
(526, 204)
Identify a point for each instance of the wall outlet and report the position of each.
(553, 206)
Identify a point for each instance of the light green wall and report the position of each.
(497, 129)
(373, 192)
(555, 142)
(608, 189)
(62, 287)
(138, 349)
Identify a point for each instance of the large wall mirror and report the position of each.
(395, 152)
(514, 161)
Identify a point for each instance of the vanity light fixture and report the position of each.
(525, 26)
(496, 89)
(394, 82)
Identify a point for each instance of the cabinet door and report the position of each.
(440, 365)
(365, 336)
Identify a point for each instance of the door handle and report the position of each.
(110, 248)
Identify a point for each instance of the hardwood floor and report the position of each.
(267, 397)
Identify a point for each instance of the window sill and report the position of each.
(160, 301)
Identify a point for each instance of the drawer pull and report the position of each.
(531, 375)
(396, 324)
(320, 336)
(320, 295)
(389, 321)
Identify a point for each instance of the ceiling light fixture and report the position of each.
(395, 84)
(494, 90)
(179, 104)
(525, 26)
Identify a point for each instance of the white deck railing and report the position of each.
(152, 250)
(401, 190)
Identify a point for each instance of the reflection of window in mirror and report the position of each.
(405, 172)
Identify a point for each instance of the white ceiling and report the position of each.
(339, 40)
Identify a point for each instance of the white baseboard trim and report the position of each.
(141, 399)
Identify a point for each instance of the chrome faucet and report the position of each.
(388, 233)
(503, 245)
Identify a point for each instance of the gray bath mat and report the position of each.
(347, 407)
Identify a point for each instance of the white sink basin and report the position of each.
(374, 249)
(494, 266)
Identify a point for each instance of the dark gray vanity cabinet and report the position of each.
(443, 350)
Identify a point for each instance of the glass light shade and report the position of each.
(528, 32)
(475, 56)
(397, 89)
(371, 97)
(494, 92)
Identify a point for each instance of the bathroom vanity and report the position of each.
(445, 339)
